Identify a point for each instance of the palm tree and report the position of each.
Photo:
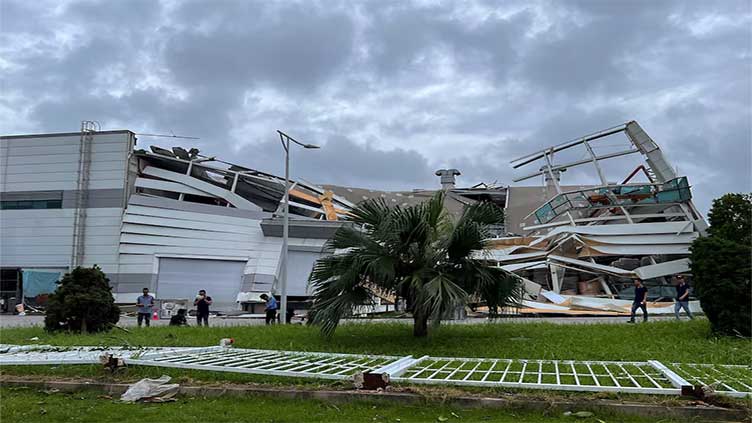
(417, 253)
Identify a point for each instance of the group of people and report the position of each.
(641, 299)
(202, 302)
(145, 304)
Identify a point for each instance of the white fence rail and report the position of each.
(651, 377)
(595, 376)
(269, 362)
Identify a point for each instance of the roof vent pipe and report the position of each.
(447, 178)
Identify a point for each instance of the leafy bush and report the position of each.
(722, 265)
(82, 302)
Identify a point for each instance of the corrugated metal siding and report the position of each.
(39, 238)
(44, 163)
(148, 231)
(35, 238)
(160, 230)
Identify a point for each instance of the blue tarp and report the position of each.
(37, 283)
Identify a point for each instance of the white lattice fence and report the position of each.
(604, 376)
(651, 377)
(268, 362)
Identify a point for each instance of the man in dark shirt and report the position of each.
(202, 303)
(682, 298)
(640, 301)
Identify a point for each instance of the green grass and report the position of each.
(668, 341)
(29, 405)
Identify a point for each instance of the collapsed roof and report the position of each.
(190, 176)
(598, 236)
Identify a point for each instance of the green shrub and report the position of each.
(722, 266)
(82, 302)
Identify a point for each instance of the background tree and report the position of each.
(417, 253)
(722, 266)
(82, 302)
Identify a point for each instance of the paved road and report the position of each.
(11, 321)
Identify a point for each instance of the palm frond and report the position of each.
(483, 213)
(370, 212)
(438, 296)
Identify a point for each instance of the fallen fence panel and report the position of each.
(651, 377)
(270, 362)
(593, 376)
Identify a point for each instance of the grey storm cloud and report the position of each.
(392, 90)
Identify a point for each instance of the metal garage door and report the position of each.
(182, 279)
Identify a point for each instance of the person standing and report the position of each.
(271, 308)
(202, 303)
(145, 304)
(682, 298)
(640, 301)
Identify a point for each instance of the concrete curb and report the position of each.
(703, 413)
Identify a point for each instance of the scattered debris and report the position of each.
(151, 390)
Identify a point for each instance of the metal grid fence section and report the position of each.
(269, 362)
(727, 380)
(604, 376)
(651, 377)
(35, 355)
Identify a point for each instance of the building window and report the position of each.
(30, 204)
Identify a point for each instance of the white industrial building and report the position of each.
(173, 221)
(177, 221)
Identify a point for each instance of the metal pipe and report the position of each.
(568, 144)
(579, 162)
(285, 231)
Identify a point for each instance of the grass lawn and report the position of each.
(27, 405)
(668, 341)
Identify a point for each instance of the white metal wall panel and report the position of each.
(183, 278)
(56, 162)
(45, 237)
(151, 231)
(299, 266)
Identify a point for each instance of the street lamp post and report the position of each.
(285, 140)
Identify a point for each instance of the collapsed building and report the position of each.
(177, 221)
(593, 240)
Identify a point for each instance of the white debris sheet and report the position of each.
(151, 390)
(580, 302)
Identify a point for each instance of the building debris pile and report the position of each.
(594, 240)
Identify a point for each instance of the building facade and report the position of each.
(174, 222)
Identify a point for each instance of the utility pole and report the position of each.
(285, 140)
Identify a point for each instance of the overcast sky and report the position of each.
(393, 91)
